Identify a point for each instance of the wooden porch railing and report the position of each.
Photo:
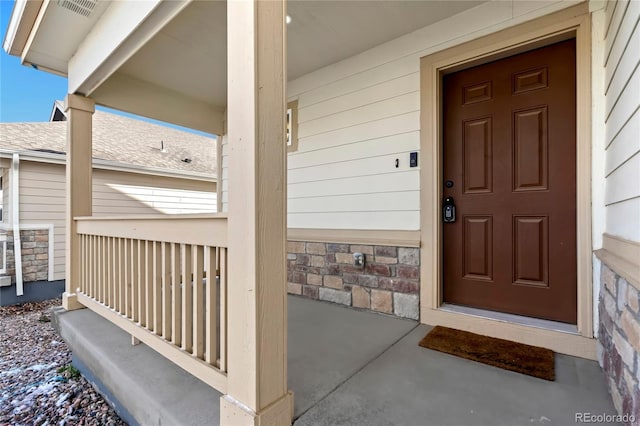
(164, 281)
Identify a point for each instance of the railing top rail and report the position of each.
(154, 217)
(207, 230)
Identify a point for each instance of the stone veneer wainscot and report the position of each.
(35, 255)
(619, 341)
(389, 282)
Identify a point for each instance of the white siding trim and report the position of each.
(15, 218)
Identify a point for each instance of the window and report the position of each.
(292, 126)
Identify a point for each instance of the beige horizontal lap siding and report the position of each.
(42, 202)
(357, 116)
(42, 198)
(344, 174)
(131, 193)
(622, 117)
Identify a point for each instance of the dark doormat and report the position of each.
(531, 360)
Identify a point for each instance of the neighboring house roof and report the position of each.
(122, 140)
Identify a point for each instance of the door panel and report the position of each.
(509, 148)
(530, 244)
(478, 247)
(478, 172)
(530, 166)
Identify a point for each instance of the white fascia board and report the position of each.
(122, 30)
(22, 24)
(42, 13)
(14, 22)
(47, 157)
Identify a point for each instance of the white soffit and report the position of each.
(62, 26)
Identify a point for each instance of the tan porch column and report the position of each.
(79, 112)
(257, 305)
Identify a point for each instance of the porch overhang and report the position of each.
(166, 60)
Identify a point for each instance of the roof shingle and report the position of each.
(121, 139)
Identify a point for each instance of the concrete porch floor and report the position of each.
(346, 368)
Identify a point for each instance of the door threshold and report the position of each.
(511, 318)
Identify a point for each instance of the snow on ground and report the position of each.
(37, 385)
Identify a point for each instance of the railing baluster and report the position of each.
(103, 263)
(126, 249)
(94, 267)
(96, 254)
(87, 264)
(114, 274)
(157, 287)
(187, 299)
(197, 253)
(103, 290)
(87, 257)
(148, 284)
(90, 263)
(107, 272)
(81, 279)
(108, 263)
(176, 291)
(83, 263)
(135, 279)
(166, 291)
(142, 297)
(211, 295)
(121, 306)
(223, 309)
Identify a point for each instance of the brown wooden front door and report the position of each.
(510, 155)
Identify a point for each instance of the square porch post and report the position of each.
(257, 305)
(79, 169)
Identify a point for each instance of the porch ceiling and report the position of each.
(188, 56)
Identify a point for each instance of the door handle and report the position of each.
(449, 210)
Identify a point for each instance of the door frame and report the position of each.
(573, 22)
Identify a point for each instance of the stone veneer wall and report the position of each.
(619, 341)
(388, 282)
(35, 255)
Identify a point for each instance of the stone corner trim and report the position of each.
(389, 281)
(619, 340)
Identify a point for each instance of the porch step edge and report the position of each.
(145, 387)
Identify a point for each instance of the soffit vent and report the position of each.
(81, 7)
